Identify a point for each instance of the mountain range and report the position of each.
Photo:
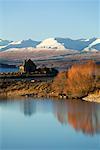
(86, 45)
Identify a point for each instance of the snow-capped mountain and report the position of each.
(20, 44)
(94, 46)
(3, 43)
(51, 43)
(86, 45)
(79, 44)
(67, 43)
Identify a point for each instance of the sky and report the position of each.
(40, 19)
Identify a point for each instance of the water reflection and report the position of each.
(82, 116)
(28, 107)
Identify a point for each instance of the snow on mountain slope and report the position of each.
(85, 45)
(21, 44)
(94, 46)
(65, 43)
(16, 42)
(4, 42)
(51, 43)
(97, 41)
(79, 44)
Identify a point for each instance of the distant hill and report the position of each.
(7, 66)
(85, 45)
(4, 43)
(20, 44)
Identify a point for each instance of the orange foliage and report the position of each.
(77, 82)
(81, 79)
(59, 82)
(82, 116)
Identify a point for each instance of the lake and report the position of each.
(33, 124)
(8, 69)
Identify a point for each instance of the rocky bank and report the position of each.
(36, 89)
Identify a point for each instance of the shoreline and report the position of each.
(38, 89)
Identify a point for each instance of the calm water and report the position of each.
(8, 69)
(46, 124)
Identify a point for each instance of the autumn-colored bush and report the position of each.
(77, 81)
(81, 79)
(59, 82)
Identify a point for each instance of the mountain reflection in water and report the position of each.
(82, 116)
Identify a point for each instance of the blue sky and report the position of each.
(40, 19)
